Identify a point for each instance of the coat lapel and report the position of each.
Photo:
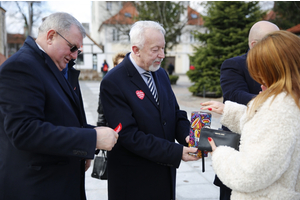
(61, 80)
(139, 82)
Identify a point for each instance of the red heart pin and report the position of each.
(140, 94)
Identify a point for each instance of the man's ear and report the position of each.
(50, 36)
(136, 50)
(252, 44)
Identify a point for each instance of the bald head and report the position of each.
(259, 30)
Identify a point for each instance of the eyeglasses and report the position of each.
(73, 47)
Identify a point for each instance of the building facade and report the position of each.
(3, 36)
(14, 43)
(111, 22)
(92, 56)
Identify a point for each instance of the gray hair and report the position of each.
(137, 37)
(61, 22)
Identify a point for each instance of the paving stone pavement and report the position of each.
(191, 183)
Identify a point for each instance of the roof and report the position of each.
(128, 13)
(295, 29)
(15, 38)
(2, 9)
(194, 18)
(125, 16)
(95, 43)
(271, 15)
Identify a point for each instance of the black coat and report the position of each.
(142, 165)
(236, 83)
(44, 138)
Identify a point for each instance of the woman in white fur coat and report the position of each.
(268, 161)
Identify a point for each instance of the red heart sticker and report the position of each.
(140, 94)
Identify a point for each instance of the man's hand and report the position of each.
(106, 138)
(186, 156)
(87, 164)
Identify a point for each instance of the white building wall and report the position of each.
(90, 48)
(184, 49)
(3, 34)
(111, 48)
(100, 13)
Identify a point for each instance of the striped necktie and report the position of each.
(151, 85)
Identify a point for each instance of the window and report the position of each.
(13, 48)
(127, 15)
(95, 61)
(108, 5)
(80, 60)
(193, 38)
(115, 35)
(194, 16)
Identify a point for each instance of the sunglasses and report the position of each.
(73, 47)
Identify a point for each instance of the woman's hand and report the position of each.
(213, 106)
(212, 144)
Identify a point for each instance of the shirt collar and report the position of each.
(40, 47)
(138, 68)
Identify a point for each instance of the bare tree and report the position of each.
(26, 13)
(168, 13)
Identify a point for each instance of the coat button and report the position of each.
(165, 123)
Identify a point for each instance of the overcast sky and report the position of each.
(81, 10)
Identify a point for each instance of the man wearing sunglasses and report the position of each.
(44, 138)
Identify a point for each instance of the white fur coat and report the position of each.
(268, 161)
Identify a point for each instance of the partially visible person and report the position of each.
(44, 138)
(104, 68)
(237, 84)
(143, 163)
(118, 58)
(268, 161)
(170, 68)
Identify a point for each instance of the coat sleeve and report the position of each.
(268, 138)
(182, 126)
(101, 118)
(233, 83)
(232, 115)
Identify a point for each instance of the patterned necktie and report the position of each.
(151, 85)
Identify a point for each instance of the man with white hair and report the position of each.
(236, 83)
(137, 93)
